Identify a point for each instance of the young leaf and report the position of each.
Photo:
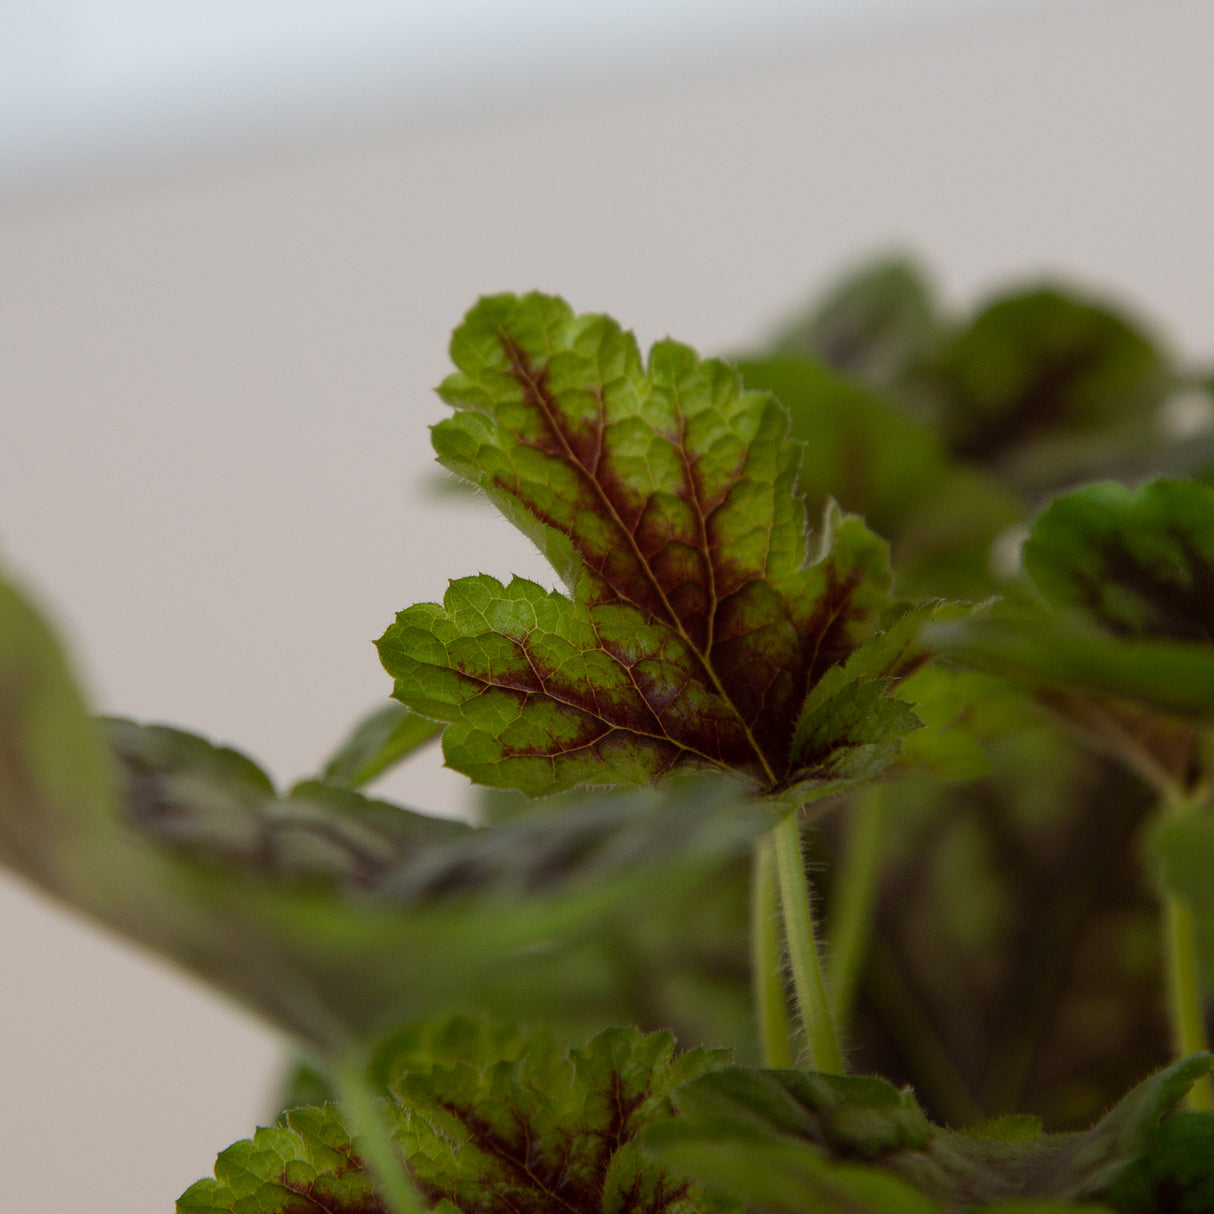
(664, 497)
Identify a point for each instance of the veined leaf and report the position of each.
(531, 1129)
(663, 494)
(308, 1161)
(552, 1130)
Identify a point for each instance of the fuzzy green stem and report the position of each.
(851, 917)
(767, 971)
(1183, 971)
(1188, 1021)
(373, 1136)
(824, 1054)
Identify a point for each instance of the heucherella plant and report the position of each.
(696, 632)
(732, 653)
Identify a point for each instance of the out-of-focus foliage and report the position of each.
(1012, 968)
(1041, 384)
(861, 450)
(788, 1140)
(1126, 608)
(1015, 962)
(333, 914)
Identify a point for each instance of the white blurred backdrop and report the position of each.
(233, 240)
(89, 84)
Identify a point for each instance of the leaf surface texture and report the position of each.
(664, 494)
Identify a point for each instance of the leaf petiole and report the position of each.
(824, 1054)
(395, 1187)
(852, 918)
(771, 1007)
(1185, 1002)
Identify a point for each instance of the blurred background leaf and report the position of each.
(337, 916)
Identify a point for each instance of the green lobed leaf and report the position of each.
(663, 494)
(738, 1129)
(487, 1121)
(309, 1161)
(547, 1131)
(378, 742)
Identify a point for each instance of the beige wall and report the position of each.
(215, 387)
